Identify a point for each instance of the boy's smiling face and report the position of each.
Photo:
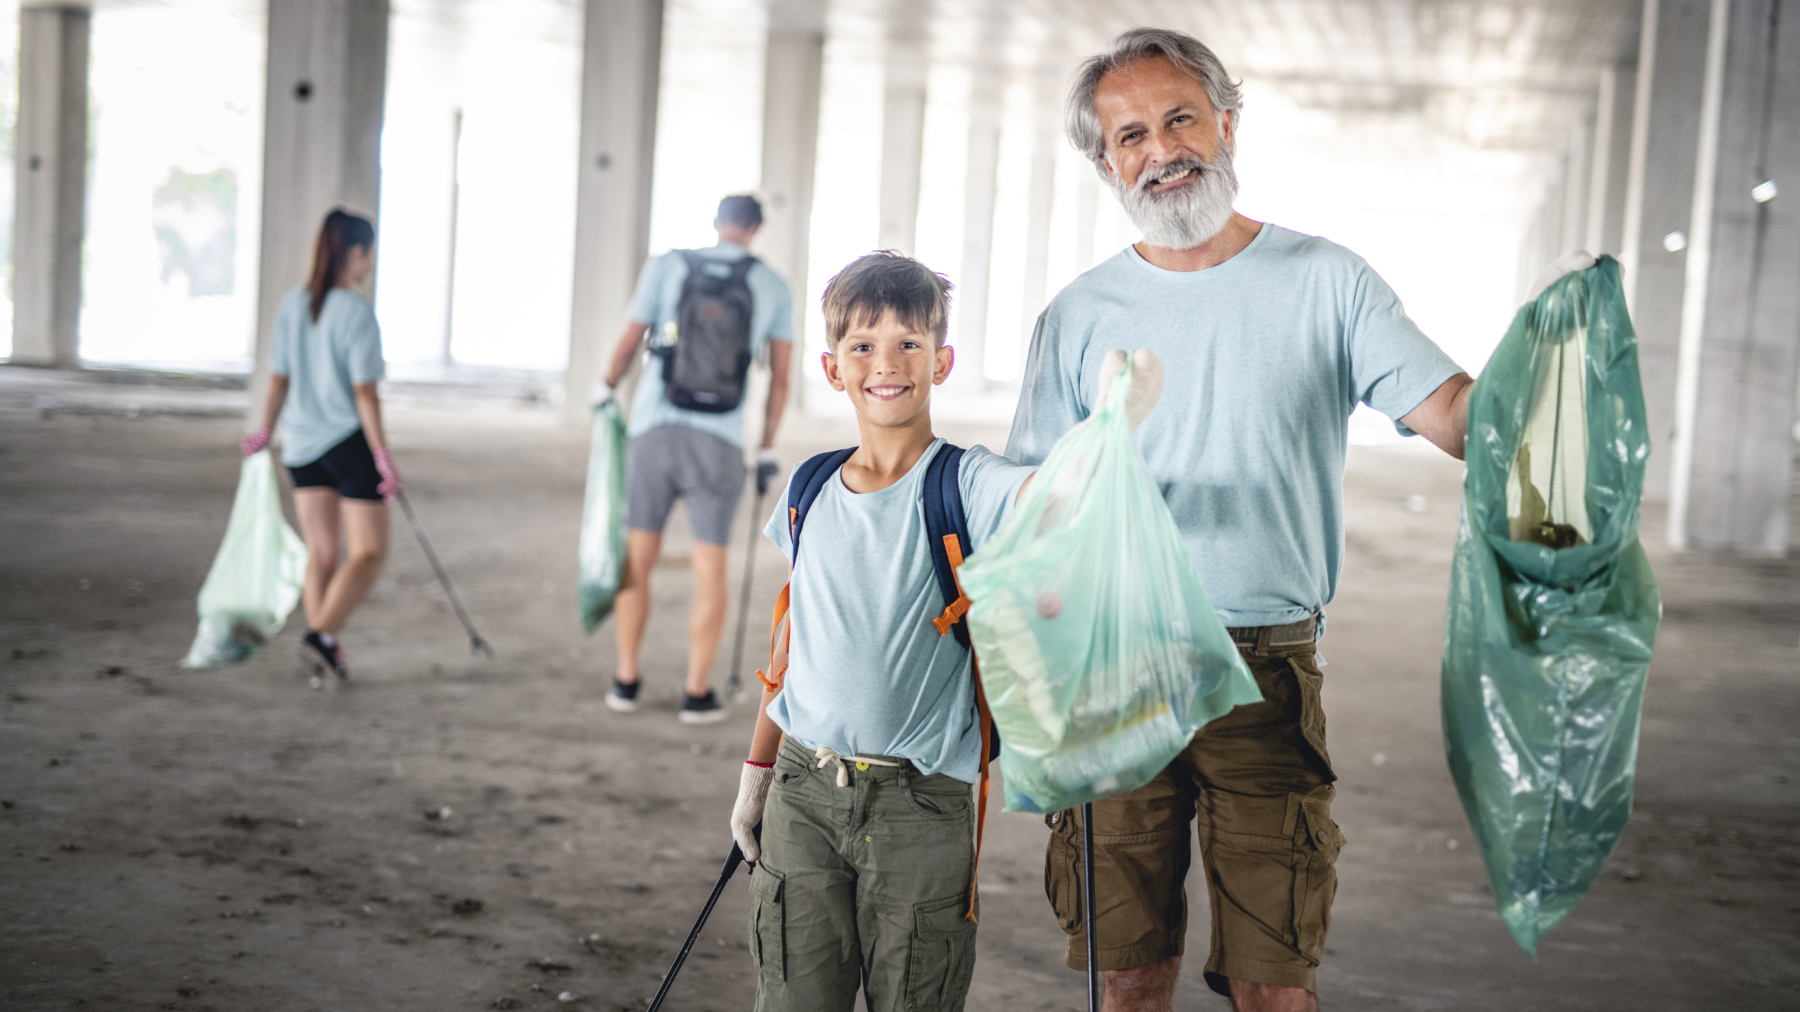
(888, 369)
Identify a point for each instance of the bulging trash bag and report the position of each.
(602, 552)
(256, 577)
(1553, 608)
(1099, 652)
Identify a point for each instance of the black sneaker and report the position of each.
(623, 697)
(702, 709)
(324, 657)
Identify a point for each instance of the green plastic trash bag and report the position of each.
(1553, 609)
(1099, 651)
(256, 577)
(601, 558)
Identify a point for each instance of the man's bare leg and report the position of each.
(1151, 988)
(632, 605)
(1147, 988)
(1247, 996)
(706, 616)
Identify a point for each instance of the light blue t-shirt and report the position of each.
(655, 301)
(1264, 358)
(322, 361)
(867, 672)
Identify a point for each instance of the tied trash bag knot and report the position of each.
(1553, 609)
(255, 579)
(600, 559)
(1101, 655)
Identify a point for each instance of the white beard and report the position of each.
(1189, 216)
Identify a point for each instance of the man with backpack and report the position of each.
(707, 314)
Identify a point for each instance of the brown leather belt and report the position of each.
(1264, 636)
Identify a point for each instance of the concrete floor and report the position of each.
(229, 840)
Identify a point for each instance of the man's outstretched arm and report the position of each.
(1443, 417)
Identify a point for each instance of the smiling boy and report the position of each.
(866, 749)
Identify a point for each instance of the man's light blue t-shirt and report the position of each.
(322, 360)
(655, 302)
(868, 673)
(1264, 357)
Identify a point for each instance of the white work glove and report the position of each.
(768, 468)
(753, 793)
(600, 394)
(1568, 263)
(1146, 381)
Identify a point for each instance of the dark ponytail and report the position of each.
(341, 233)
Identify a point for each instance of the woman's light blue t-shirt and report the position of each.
(868, 673)
(1264, 357)
(323, 360)
(655, 302)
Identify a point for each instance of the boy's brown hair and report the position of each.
(881, 282)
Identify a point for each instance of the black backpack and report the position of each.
(706, 360)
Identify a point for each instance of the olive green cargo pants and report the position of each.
(862, 886)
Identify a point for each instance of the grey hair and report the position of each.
(1137, 44)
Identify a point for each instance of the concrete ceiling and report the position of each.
(1490, 73)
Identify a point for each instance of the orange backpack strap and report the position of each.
(955, 610)
(773, 681)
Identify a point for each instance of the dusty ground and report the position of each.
(229, 840)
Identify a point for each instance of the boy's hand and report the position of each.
(1146, 382)
(753, 793)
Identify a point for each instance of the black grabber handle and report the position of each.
(1087, 906)
(732, 860)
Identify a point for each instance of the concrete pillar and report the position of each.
(1046, 139)
(620, 75)
(50, 166)
(903, 125)
(327, 79)
(1611, 160)
(1733, 459)
(1087, 213)
(1572, 227)
(790, 145)
(1659, 196)
(981, 182)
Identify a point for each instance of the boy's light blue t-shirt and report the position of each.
(1264, 357)
(655, 302)
(868, 673)
(322, 361)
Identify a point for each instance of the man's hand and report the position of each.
(753, 794)
(600, 394)
(767, 468)
(255, 441)
(1146, 382)
(1568, 263)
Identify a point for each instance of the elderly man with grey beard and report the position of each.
(1269, 339)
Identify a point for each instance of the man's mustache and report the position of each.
(1173, 170)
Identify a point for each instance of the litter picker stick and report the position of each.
(734, 681)
(476, 643)
(732, 860)
(1087, 905)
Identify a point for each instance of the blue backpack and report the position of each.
(947, 528)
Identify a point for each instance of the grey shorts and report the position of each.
(680, 461)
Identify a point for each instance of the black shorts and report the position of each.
(347, 468)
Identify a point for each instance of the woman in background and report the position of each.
(324, 363)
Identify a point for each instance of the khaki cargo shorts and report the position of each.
(1259, 781)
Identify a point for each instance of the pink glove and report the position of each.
(255, 441)
(390, 477)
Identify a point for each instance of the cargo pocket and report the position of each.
(942, 957)
(1312, 709)
(768, 924)
(1061, 887)
(1317, 841)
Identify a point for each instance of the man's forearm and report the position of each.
(780, 355)
(624, 351)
